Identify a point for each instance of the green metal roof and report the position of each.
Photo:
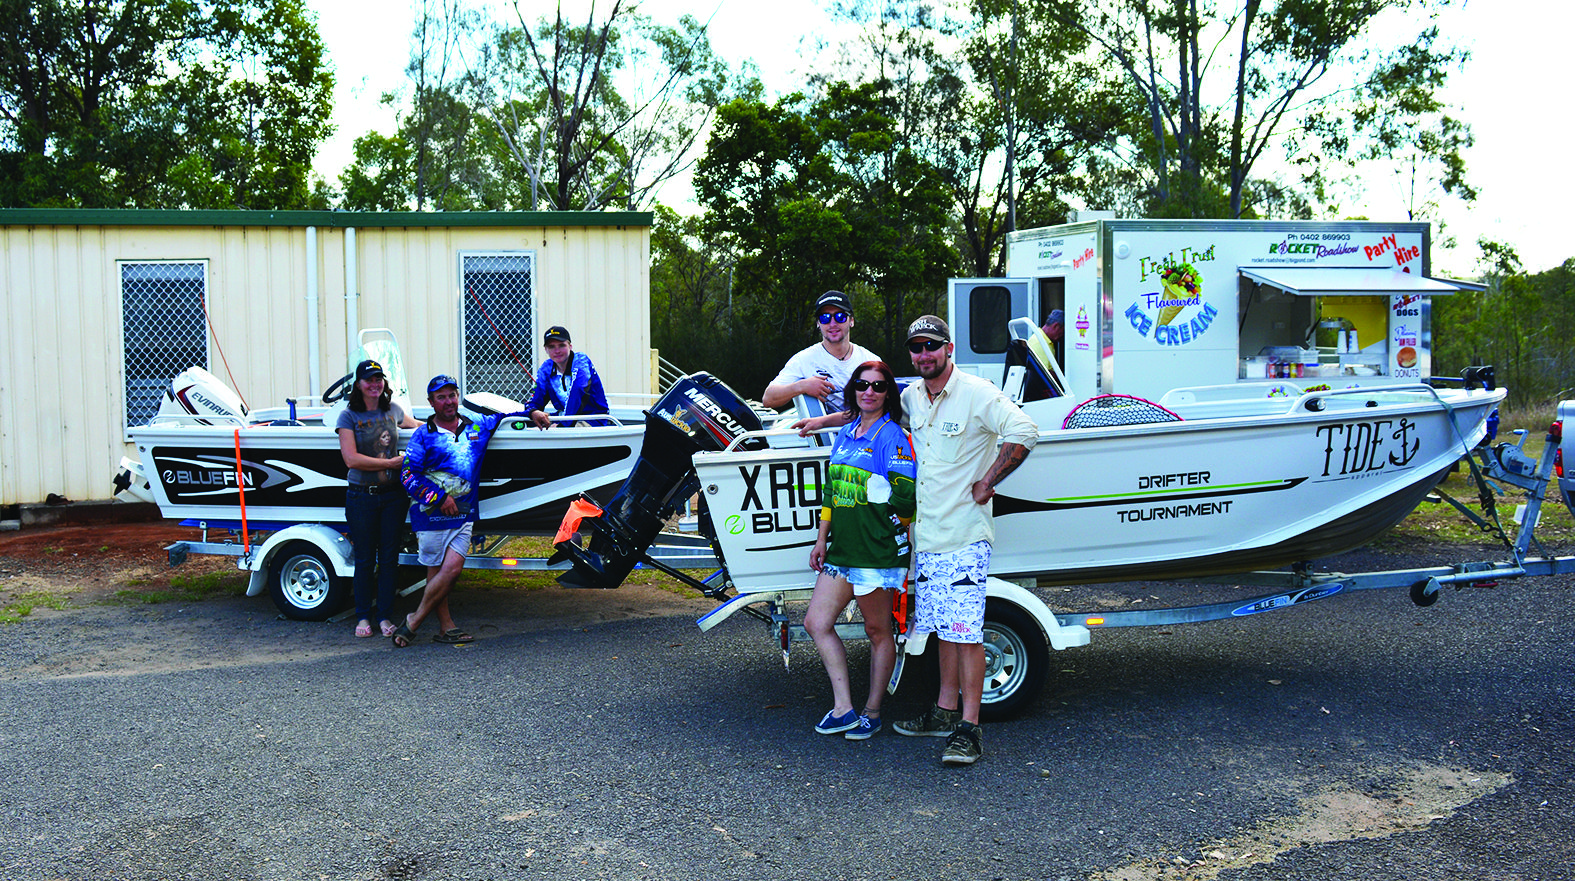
(360, 219)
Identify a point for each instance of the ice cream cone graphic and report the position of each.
(1182, 286)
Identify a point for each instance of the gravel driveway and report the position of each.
(601, 735)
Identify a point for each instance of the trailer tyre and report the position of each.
(1016, 660)
(303, 583)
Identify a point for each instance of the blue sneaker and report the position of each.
(837, 724)
(865, 729)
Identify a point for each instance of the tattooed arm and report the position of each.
(1011, 456)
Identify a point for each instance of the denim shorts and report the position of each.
(866, 580)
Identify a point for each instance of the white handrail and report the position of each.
(773, 432)
(581, 417)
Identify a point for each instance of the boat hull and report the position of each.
(1198, 497)
(295, 474)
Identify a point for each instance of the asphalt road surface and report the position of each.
(1358, 737)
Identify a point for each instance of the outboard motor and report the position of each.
(699, 413)
(197, 396)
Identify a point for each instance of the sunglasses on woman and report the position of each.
(860, 385)
(918, 346)
(838, 317)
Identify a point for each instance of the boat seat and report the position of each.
(489, 404)
(1030, 349)
(806, 407)
(1037, 384)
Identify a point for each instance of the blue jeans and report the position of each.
(377, 526)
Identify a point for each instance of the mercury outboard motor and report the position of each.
(699, 413)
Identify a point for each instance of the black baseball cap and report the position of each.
(368, 369)
(832, 299)
(556, 332)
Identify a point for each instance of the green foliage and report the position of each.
(160, 103)
(809, 195)
(692, 301)
(22, 605)
(1303, 86)
(380, 177)
(544, 114)
(1519, 325)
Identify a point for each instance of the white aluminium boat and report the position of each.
(1233, 480)
(1238, 482)
(205, 458)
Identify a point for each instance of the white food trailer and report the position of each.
(1152, 305)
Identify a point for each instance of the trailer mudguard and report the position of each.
(1060, 636)
(336, 550)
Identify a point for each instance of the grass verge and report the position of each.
(23, 604)
(186, 589)
(1440, 522)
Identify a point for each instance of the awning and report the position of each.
(1326, 281)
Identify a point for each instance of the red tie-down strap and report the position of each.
(579, 509)
(899, 604)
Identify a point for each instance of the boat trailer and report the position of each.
(1020, 627)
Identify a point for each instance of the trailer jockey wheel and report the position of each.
(1425, 593)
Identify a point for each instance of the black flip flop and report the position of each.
(453, 637)
(403, 637)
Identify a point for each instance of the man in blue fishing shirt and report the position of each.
(440, 473)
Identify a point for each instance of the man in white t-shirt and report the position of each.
(821, 370)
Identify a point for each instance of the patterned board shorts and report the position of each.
(949, 593)
(865, 581)
(434, 544)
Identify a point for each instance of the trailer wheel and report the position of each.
(303, 583)
(1016, 660)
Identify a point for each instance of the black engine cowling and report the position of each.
(699, 413)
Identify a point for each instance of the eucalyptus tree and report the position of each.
(810, 194)
(1006, 107)
(1227, 88)
(601, 113)
(160, 103)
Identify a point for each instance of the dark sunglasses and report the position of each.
(838, 317)
(918, 346)
(860, 385)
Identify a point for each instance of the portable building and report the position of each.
(102, 308)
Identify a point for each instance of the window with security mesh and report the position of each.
(499, 331)
(163, 330)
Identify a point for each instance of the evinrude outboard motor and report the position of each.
(197, 396)
(698, 413)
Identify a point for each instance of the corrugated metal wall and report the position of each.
(62, 397)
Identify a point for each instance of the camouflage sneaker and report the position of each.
(965, 746)
(935, 722)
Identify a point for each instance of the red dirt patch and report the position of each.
(100, 558)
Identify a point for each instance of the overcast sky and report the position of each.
(1512, 93)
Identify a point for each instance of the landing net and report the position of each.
(1108, 410)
